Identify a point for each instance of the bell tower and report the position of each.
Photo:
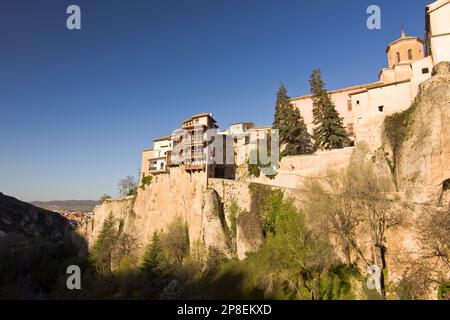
(405, 50)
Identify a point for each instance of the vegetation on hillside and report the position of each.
(293, 264)
(353, 206)
(105, 197)
(299, 258)
(34, 245)
(397, 128)
(146, 181)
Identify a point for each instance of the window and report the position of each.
(410, 54)
(380, 108)
(357, 102)
(425, 70)
(349, 105)
(397, 57)
(350, 129)
(197, 121)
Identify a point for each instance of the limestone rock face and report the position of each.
(362, 154)
(213, 222)
(424, 157)
(167, 198)
(121, 210)
(249, 235)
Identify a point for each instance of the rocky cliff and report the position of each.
(420, 141)
(169, 197)
(31, 221)
(34, 245)
(224, 215)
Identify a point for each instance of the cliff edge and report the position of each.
(419, 139)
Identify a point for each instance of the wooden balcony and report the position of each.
(195, 166)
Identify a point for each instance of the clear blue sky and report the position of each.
(77, 107)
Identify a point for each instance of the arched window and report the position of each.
(397, 57)
(410, 54)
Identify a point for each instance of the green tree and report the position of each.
(105, 197)
(294, 263)
(272, 207)
(102, 251)
(329, 131)
(176, 241)
(153, 257)
(294, 136)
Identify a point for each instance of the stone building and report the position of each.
(190, 142)
(161, 148)
(364, 107)
(146, 155)
(197, 146)
(437, 30)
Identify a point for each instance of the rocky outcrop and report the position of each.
(249, 235)
(214, 224)
(423, 160)
(169, 197)
(31, 221)
(35, 245)
(121, 210)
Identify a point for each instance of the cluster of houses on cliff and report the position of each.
(362, 107)
(198, 146)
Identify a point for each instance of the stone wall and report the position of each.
(295, 169)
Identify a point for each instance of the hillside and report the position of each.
(34, 244)
(67, 205)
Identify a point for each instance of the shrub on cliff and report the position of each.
(105, 197)
(397, 128)
(146, 181)
(255, 165)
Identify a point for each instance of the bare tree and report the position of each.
(351, 206)
(435, 235)
(127, 186)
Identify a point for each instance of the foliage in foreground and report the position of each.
(293, 264)
(296, 261)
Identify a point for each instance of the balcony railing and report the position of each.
(196, 165)
(156, 171)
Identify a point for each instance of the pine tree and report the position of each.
(102, 251)
(329, 131)
(294, 136)
(152, 256)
